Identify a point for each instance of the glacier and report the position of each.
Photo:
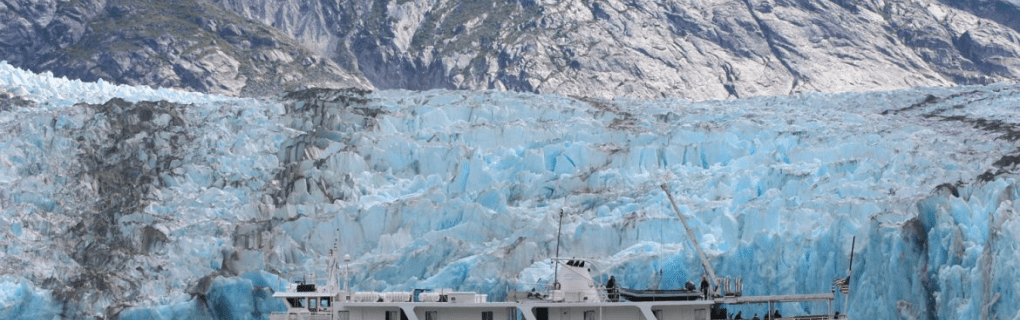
(137, 203)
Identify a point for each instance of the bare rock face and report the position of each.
(180, 44)
(643, 49)
(31, 28)
(648, 49)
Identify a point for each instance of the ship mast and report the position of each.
(556, 261)
(849, 273)
(690, 236)
(333, 284)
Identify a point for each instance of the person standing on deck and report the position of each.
(704, 287)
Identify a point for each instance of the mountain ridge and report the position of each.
(197, 47)
(640, 49)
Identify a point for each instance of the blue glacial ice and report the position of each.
(463, 190)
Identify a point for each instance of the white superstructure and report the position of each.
(577, 297)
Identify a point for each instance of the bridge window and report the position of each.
(486, 315)
(511, 313)
(324, 302)
(541, 313)
(589, 315)
(703, 314)
(392, 315)
(296, 302)
(431, 315)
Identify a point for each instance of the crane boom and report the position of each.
(690, 235)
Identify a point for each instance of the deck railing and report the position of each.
(300, 316)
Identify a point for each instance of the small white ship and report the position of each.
(579, 297)
(574, 295)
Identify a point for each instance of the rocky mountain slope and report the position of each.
(181, 44)
(648, 49)
(637, 48)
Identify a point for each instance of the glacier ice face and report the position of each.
(23, 300)
(201, 206)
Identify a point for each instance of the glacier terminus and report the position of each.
(122, 202)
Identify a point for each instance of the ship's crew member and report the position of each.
(614, 294)
(704, 287)
(776, 315)
(689, 286)
(755, 317)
